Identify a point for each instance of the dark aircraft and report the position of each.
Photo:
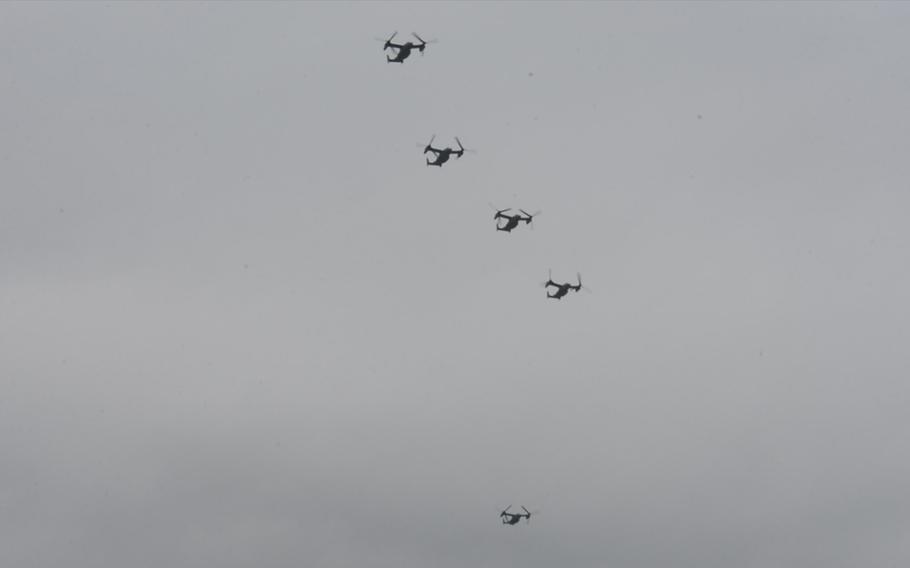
(403, 50)
(513, 220)
(513, 518)
(442, 154)
(562, 289)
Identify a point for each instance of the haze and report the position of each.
(243, 324)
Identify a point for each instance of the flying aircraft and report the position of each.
(511, 221)
(562, 289)
(403, 50)
(442, 154)
(513, 518)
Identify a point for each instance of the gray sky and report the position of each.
(243, 324)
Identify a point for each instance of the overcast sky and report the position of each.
(242, 323)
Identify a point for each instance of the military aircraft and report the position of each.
(442, 154)
(562, 289)
(403, 50)
(513, 518)
(511, 221)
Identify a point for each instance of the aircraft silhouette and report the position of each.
(442, 154)
(403, 50)
(513, 518)
(562, 289)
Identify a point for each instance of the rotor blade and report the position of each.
(549, 278)
(463, 149)
(585, 288)
(526, 511)
(499, 212)
(423, 44)
(387, 41)
(530, 219)
(494, 208)
(426, 146)
(425, 41)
